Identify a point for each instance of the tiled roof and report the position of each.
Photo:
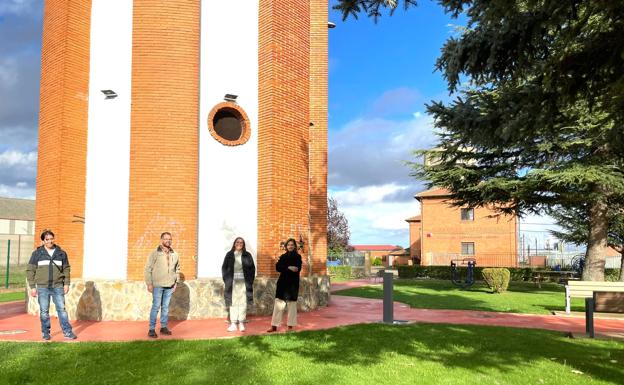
(401, 252)
(434, 192)
(416, 218)
(375, 247)
(22, 209)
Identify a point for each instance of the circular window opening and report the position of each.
(229, 124)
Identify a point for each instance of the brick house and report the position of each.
(442, 233)
(377, 251)
(17, 224)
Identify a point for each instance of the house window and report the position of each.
(467, 214)
(467, 248)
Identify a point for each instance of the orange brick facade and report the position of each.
(164, 131)
(415, 233)
(285, 174)
(443, 230)
(165, 124)
(318, 133)
(61, 169)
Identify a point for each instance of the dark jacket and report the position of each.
(227, 272)
(46, 271)
(288, 281)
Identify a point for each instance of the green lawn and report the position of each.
(521, 297)
(359, 354)
(17, 276)
(12, 296)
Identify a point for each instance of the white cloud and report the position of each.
(368, 194)
(380, 222)
(372, 151)
(23, 192)
(16, 7)
(374, 219)
(12, 158)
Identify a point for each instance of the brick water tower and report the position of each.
(207, 119)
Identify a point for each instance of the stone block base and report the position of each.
(103, 300)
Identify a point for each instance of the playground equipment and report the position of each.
(468, 281)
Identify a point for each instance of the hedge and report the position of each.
(444, 272)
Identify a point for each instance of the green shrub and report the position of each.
(497, 278)
(444, 272)
(612, 275)
(376, 262)
(341, 272)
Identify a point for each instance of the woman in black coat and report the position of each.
(238, 272)
(287, 292)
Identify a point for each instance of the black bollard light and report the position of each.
(388, 308)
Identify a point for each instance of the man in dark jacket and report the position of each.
(48, 275)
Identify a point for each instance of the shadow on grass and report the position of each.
(316, 357)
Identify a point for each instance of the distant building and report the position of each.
(415, 229)
(378, 251)
(17, 223)
(443, 232)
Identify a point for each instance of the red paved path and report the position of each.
(341, 311)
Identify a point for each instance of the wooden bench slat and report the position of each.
(609, 302)
(597, 283)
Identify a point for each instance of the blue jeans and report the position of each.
(58, 296)
(160, 301)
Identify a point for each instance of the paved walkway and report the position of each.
(15, 324)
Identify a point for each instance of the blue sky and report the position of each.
(380, 77)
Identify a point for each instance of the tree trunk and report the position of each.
(597, 242)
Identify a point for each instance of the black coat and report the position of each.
(227, 272)
(288, 281)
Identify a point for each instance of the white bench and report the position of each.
(586, 289)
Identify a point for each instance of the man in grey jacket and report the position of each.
(162, 273)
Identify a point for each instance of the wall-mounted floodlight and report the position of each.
(230, 98)
(110, 94)
(331, 25)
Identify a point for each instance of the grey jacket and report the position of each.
(159, 272)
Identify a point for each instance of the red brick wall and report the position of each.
(283, 127)
(495, 238)
(318, 133)
(164, 137)
(63, 111)
(415, 241)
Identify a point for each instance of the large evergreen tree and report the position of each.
(575, 229)
(538, 116)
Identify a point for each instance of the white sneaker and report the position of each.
(241, 326)
(232, 327)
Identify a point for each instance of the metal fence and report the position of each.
(351, 258)
(21, 248)
(543, 258)
(482, 259)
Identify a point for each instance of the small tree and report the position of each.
(338, 232)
